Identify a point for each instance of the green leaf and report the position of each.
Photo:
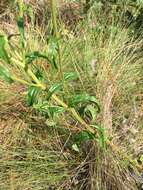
(91, 111)
(141, 158)
(101, 138)
(30, 57)
(83, 136)
(52, 45)
(75, 147)
(44, 106)
(70, 76)
(55, 87)
(5, 75)
(39, 74)
(82, 98)
(32, 94)
(20, 24)
(53, 61)
(55, 110)
(53, 50)
(3, 54)
(51, 110)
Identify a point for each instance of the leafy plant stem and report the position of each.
(74, 113)
(60, 102)
(54, 15)
(55, 33)
(80, 120)
(55, 98)
(30, 73)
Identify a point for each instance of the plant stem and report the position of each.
(54, 17)
(30, 73)
(54, 97)
(55, 33)
(72, 111)
(74, 114)
(20, 4)
(20, 80)
(80, 120)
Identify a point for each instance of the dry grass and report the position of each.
(118, 82)
(33, 156)
(116, 79)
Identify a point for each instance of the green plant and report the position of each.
(47, 96)
(96, 59)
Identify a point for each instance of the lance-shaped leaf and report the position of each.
(5, 75)
(52, 45)
(91, 111)
(70, 76)
(30, 57)
(51, 109)
(55, 110)
(20, 24)
(53, 50)
(101, 138)
(54, 63)
(3, 53)
(83, 136)
(55, 87)
(82, 98)
(32, 95)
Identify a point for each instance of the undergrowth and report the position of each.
(71, 103)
